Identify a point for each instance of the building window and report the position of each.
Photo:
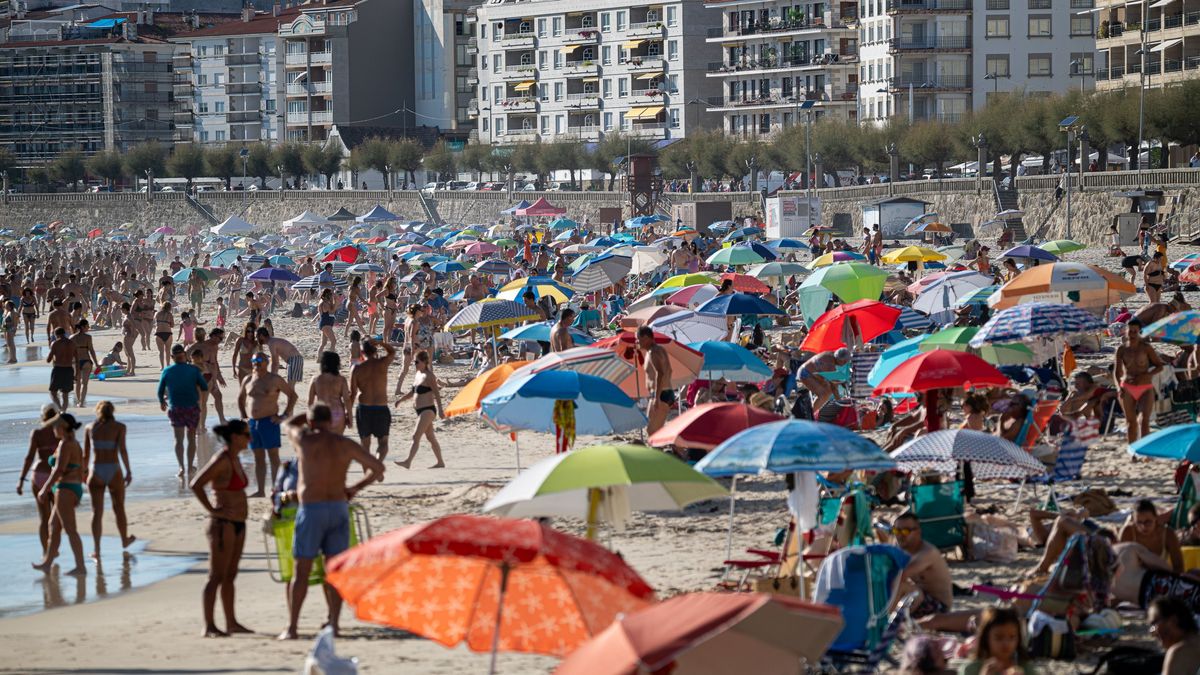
(605, 22)
(622, 122)
(608, 121)
(527, 59)
(1084, 63)
(1039, 4)
(1082, 4)
(541, 28)
(203, 136)
(588, 21)
(271, 105)
(497, 34)
(219, 107)
(544, 89)
(545, 124)
(621, 20)
(1081, 25)
(674, 118)
(672, 50)
(672, 16)
(485, 124)
(201, 80)
(997, 4)
(606, 56)
(558, 58)
(606, 87)
(499, 89)
(1039, 65)
(622, 87)
(202, 107)
(220, 136)
(997, 64)
(997, 27)
(218, 50)
(499, 126)
(672, 83)
(1039, 26)
(558, 91)
(557, 23)
(542, 63)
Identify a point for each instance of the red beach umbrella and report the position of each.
(941, 369)
(744, 283)
(346, 254)
(708, 425)
(874, 318)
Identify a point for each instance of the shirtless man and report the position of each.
(1175, 627)
(811, 375)
(62, 375)
(263, 388)
(282, 350)
(211, 346)
(658, 379)
(476, 290)
(1154, 311)
(1136, 364)
(59, 317)
(323, 519)
(368, 386)
(926, 571)
(560, 335)
(85, 361)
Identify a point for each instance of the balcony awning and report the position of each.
(570, 49)
(591, 79)
(646, 113)
(1165, 45)
(632, 44)
(649, 76)
(524, 86)
(633, 113)
(1161, 3)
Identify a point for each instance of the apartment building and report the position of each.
(345, 62)
(1161, 37)
(778, 54)
(225, 82)
(97, 85)
(551, 69)
(442, 32)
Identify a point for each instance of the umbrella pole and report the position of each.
(732, 502)
(593, 507)
(499, 612)
(517, 442)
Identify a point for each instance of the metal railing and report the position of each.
(523, 35)
(939, 82)
(930, 42)
(928, 5)
(773, 26)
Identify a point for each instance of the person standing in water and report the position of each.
(66, 484)
(85, 361)
(106, 439)
(42, 444)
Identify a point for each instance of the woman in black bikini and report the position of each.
(66, 484)
(1152, 275)
(29, 312)
(104, 451)
(226, 529)
(164, 329)
(325, 320)
(428, 405)
(42, 444)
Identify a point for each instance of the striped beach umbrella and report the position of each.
(491, 313)
(1033, 320)
(990, 456)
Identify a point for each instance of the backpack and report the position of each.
(1127, 660)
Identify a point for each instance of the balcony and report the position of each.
(655, 130)
(931, 43)
(237, 60)
(310, 89)
(473, 107)
(517, 40)
(775, 27)
(587, 99)
(521, 71)
(317, 28)
(182, 88)
(645, 63)
(473, 46)
(579, 68)
(519, 136)
(753, 67)
(930, 6)
(580, 36)
(320, 58)
(242, 116)
(942, 83)
(181, 61)
(305, 118)
(589, 132)
(645, 29)
(649, 93)
(472, 76)
(253, 87)
(517, 103)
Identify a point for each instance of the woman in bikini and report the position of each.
(374, 304)
(85, 360)
(106, 439)
(354, 300)
(164, 328)
(1152, 275)
(42, 444)
(1136, 364)
(196, 358)
(129, 336)
(226, 529)
(331, 388)
(427, 395)
(326, 318)
(243, 348)
(1145, 527)
(66, 484)
(29, 312)
(9, 320)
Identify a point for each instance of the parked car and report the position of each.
(100, 188)
(494, 186)
(457, 185)
(473, 186)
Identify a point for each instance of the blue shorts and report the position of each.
(264, 434)
(322, 527)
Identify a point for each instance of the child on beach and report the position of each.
(187, 328)
(221, 312)
(356, 356)
(114, 357)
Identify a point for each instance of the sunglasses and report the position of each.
(903, 531)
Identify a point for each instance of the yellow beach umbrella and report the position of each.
(912, 254)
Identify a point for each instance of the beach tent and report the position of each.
(512, 210)
(378, 214)
(232, 225)
(306, 219)
(541, 208)
(342, 214)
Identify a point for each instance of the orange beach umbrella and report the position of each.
(468, 398)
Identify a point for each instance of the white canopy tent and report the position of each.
(233, 225)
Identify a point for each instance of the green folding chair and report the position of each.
(939, 508)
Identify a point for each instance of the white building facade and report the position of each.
(778, 54)
(551, 70)
(226, 89)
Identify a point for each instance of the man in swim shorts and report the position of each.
(262, 388)
(62, 374)
(179, 388)
(658, 380)
(368, 386)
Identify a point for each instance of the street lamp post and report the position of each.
(387, 179)
(244, 154)
(282, 182)
(149, 185)
(1070, 125)
(806, 106)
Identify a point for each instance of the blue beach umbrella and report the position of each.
(794, 445)
(365, 268)
(1177, 443)
(1030, 320)
(527, 402)
(540, 332)
(448, 266)
(737, 304)
(273, 274)
(562, 224)
(787, 245)
(742, 233)
(730, 361)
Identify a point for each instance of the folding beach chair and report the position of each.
(277, 539)
(1068, 465)
(1078, 576)
(1187, 499)
(861, 365)
(862, 581)
(939, 508)
(1039, 428)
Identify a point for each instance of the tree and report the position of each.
(474, 158)
(69, 167)
(323, 161)
(376, 153)
(564, 156)
(525, 159)
(290, 156)
(442, 161)
(1174, 113)
(187, 161)
(929, 144)
(261, 163)
(108, 165)
(148, 156)
(39, 176)
(355, 166)
(224, 162)
(405, 155)
(500, 162)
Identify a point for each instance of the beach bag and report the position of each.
(1096, 501)
(993, 539)
(1050, 638)
(1128, 660)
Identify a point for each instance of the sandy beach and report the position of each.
(157, 629)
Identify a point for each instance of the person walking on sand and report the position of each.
(428, 406)
(658, 379)
(42, 444)
(66, 484)
(85, 361)
(330, 388)
(226, 529)
(62, 374)
(326, 318)
(103, 446)
(211, 348)
(368, 386)
(262, 389)
(323, 517)
(179, 388)
(282, 350)
(1135, 365)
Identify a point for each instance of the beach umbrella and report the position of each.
(366, 268)
(165, 229)
(932, 227)
(1191, 275)
(562, 224)
(711, 633)
(739, 304)
(939, 299)
(872, 317)
(959, 338)
(693, 296)
(735, 255)
(314, 283)
(1036, 320)
(953, 252)
(641, 317)
(413, 248)
(707, 425)
(494, 266)
(941, 369)
(184, 275)
(1059, 247)
(540, 331)
(601, 272)
(778, 269)
(848, 281)
(524, 402)
(1063, 282)
(505, 242)
(688, 327)
(1028, 252)
(912, 254)
(768, 254)
(1179, 265)
(685, 361)
(893, 356)
(991, 457)
(910, 320)
(603, 483)
(492, 583)
(729, 361)
(490, 313)
(273, 274)
(647, 259)
(602, 363)
(836, 257)
(978, 297)
(92, 234)
(743, 283)
(461, 243)
(742, 233)
(1178, 443)
(448, 266)
(565, 235)
(1181, 328)
(787, 245)
(793, 445)
(225, 257)
(921, 219)
(481, 248)
(540, 286)
(347, 254)
(682, 280)
(467, 399)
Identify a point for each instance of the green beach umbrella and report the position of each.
(958, 338)
(684, 280)
(506, 243)
(1061, 246)
(850, 281)
(735, 255)
(183, 275)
